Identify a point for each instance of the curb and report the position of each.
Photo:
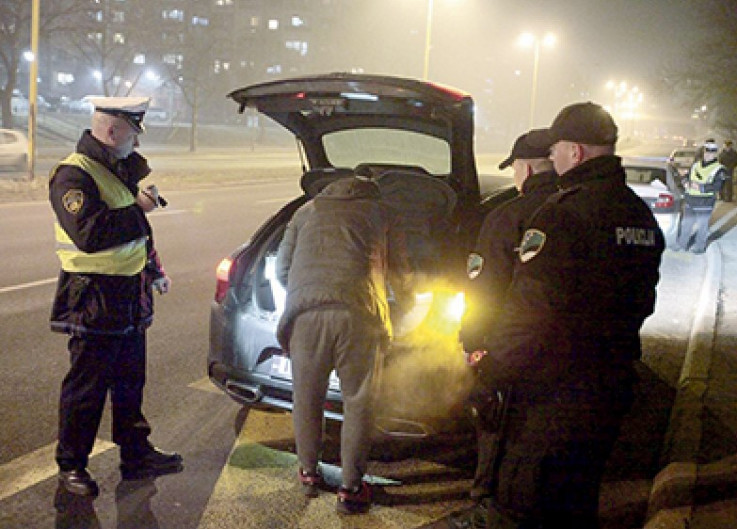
(674, 490)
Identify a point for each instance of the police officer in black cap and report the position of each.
(567, 333)
(490, 268)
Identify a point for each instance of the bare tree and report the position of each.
(708, 77)
(199, 73)
(15, 38)
(112, 39)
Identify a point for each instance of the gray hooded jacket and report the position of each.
(340, 250)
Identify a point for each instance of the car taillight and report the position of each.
(222, 277)
(664, 201)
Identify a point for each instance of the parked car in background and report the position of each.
(13, 150)
(156, 115)
(658, 183)
(78, 106)
(683, 158)
(416, 139)
(18, 104)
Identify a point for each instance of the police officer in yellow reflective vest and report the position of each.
(701, 189)
(104, 294)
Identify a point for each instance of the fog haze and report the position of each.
(474, 46)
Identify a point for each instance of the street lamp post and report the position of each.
(428, 33)
(33, 88)
(527, 40)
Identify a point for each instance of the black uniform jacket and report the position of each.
(584, 281)
(96, 303)
(491, 263)
(728, 158)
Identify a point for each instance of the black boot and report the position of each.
(149, 462)
(78, 482)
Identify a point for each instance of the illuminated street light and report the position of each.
(626, 102)
(152, 76)
(529, 40)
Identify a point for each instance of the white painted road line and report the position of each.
(32, 284)
(721, 222)
(30, 469)
(275, 200)
(162, 212)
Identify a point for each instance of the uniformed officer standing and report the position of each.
(702, 186)
(104, 294)
(728, 158)
(568, 332)
(490, 268)
(335, 259)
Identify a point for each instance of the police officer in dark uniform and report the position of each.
(490, 268)
(728, 158)
(104, 294)
(568, 332)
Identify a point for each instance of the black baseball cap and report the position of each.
(523, 150)
(586, 123)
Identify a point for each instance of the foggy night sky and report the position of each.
(474, 47)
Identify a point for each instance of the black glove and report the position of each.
(487, 405)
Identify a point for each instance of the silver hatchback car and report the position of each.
(416, 137)
(658, 183)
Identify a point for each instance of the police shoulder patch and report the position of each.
(531, 245)
(474, 265)
(73, 200)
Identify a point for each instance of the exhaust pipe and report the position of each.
(244, 393)
(402, 428)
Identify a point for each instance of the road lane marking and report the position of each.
(722, 221)
(28, 470)
(162, 212)
(275, 200)
(258, 488)
(32, 284)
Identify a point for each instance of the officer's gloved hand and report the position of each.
(162, 285)
(148, 199)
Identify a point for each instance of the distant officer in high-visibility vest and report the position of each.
(701, 189)
(104, 294)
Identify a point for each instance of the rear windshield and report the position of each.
(349, 148)
(644, 175)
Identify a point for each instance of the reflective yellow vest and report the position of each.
(701, 176)
(125, 260)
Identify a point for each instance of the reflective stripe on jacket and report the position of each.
(123, 260)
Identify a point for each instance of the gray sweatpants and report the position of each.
(695, 219)
(321, 340)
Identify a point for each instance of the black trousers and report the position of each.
(725, 193)
(554, 456)
(100, 364)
